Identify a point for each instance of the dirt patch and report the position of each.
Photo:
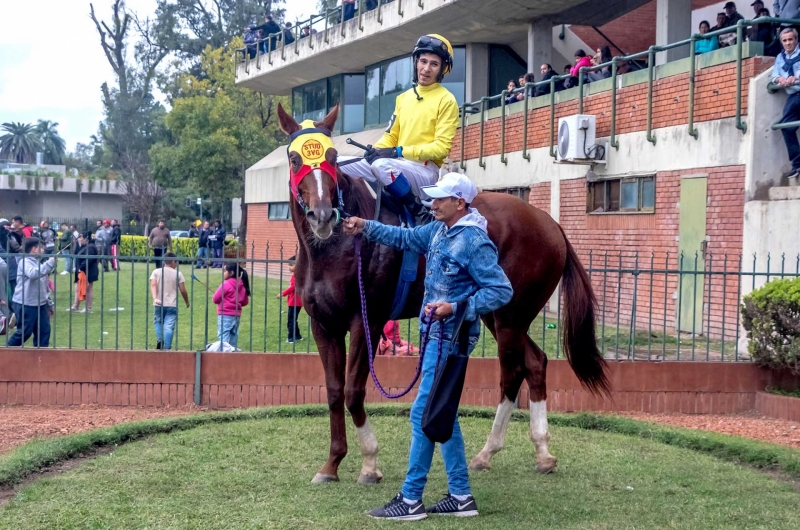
(21, 423)
(751, 426)
(7, 494)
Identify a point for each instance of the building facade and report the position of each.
(691, 176)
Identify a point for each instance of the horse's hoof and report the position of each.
(370, 478)
(480, 465)
(546, 465)
(321, 478)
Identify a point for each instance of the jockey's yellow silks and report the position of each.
(425, 127)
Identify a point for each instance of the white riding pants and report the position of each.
(386, 170)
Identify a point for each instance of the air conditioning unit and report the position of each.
(576, 140)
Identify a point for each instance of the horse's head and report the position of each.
(312, 165)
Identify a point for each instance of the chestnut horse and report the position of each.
(533, 252)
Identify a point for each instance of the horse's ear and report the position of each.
(287, 123)
(330, 120)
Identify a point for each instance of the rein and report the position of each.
(370, 352)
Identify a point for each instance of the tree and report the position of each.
(187, 26)
(131, 112)
(215, 131)
(142, 195)
(20, 143)
(53, 145)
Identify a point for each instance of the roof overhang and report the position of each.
(356, 44)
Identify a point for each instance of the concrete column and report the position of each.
(673, 23)
(477, 79)
(540, 44)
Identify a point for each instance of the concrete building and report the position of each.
(699, 179)
(59, 198)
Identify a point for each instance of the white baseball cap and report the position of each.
(453, 185)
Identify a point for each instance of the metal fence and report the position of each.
(649, 307)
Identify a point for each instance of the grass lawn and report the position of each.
(263, 324)
(256, 474)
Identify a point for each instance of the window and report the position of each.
(278, 211)
(633, 194)
(504, 64)
(387, 80)
(522, 193)
(353, 105)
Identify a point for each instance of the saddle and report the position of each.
(409, 266)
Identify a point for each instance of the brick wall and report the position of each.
(231, 380)
(272, 240)
(653, 236)
(540, 196)
(643, 19)
(715, 98)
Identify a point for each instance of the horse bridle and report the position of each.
(340, 211)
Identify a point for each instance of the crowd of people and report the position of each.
(27, 298)
(270, 35)
(767, 33)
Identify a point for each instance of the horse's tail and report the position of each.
(580, 343)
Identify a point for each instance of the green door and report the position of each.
(692, 246)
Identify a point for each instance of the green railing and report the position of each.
(650, 54)
(636, 313)
(323, 19)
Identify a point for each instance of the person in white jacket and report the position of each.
(31, 301)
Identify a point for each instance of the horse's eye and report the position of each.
(295, 163)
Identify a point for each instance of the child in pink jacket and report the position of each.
(230, 298)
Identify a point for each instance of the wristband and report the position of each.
(399, 152)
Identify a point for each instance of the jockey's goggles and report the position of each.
(432, 43)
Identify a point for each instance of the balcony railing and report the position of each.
(650, 53)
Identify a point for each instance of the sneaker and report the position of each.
(64, 273)
(449, 505)
(398, 510)
(289, 341)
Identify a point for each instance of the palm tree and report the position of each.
(20, 143)
(53, 145)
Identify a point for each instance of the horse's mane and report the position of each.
(358, 201)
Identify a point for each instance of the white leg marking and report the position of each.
(369, 450)
(495, 441)
(545, 462)
(318, 176)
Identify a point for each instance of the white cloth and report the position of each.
(221, 347)
(385, 170)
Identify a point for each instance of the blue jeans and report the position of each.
(217, 255)
(68, 265)
(202, 255)
(164, 319)
(228, 329)
(791, 112)
(421, 453)
(31, 320)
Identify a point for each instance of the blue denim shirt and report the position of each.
(461, 266)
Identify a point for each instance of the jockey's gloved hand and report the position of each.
(373, 154)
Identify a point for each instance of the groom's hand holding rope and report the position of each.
(354, 226)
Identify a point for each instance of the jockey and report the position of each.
(420, 133)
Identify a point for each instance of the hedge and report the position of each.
(183, 247)
(771, 317)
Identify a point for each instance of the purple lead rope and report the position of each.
(370, 352)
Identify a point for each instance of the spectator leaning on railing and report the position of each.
(707, 44)
(547, 72)
(785, 73)
(767, 33)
